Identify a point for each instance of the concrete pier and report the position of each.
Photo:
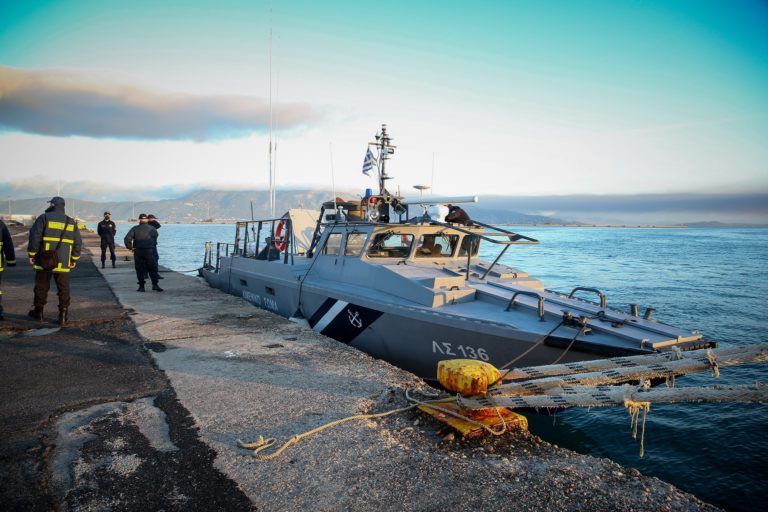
(182, 374)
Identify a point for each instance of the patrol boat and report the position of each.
(389, 276)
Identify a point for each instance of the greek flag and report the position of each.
(369, 162)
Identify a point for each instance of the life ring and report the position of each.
(280, 241)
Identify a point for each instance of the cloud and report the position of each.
(70, 103)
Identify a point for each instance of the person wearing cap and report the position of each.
(53, 231)
(152, 221)
(107, 230)
(142, 241)
(7, 255)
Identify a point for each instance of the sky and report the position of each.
(539, 97)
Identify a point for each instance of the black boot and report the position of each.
(102, 263)
(113, 264)
(36, 313)
(63, 317)
(140, 288)
(156, 288)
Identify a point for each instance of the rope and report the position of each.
(534, 372)
(262, 444)
(634, 409)
(604, 396)
(712, 360)
(573, 340)
(539, 342)
(181, 271)
(431, 405)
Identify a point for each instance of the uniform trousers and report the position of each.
(145, 263)
(107, 242)
(43, 284)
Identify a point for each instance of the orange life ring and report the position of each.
(280, 241)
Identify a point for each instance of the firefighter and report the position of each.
(141, 240)
(53, 231)
(107, 230)
(7, 255)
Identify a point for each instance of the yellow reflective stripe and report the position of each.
(32, 254)
(60, 225)
(56, 239)
(75, 258)
(57, 269)
(10, 261)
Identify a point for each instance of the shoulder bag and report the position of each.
(49, 259)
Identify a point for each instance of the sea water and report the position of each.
(714, 280)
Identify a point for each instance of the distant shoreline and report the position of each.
(630, 226)
(534, 225)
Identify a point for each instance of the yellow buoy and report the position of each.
(467, 376)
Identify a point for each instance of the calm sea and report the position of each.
(714, 280)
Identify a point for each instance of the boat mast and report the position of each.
(383, 144)
(272, 176)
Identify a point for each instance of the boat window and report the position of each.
(355, 243)
(437, 246)
(391, 245)
(469, 242)
(332, 244)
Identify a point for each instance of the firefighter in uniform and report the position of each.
(107, 230)
(7, 255)
(50, 229)
(142, 241)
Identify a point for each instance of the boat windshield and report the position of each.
(391, 245)
(437, 246)
(332, 245)
(355, 243)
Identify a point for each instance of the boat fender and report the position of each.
(468, 377)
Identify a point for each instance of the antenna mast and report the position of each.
(385, 148)
(272, 196)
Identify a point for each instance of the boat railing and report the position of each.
(278, 242)
(535, 295)
(491, 235)
(222, 249)
(600, 294)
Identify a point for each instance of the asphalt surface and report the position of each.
(99, 358)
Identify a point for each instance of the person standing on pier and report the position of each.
(54, 248)
(7, 255)
(142, 241)
(152, 221)
(107, 231)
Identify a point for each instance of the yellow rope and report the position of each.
(634, 408)
(431, 405)
(262, 444)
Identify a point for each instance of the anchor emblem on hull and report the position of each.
(354, 319)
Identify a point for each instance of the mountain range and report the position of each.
(229, 206)
(175, 204)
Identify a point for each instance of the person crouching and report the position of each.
(141, 240)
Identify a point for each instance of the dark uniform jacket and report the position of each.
(45, 234)
(142, 236)
(7, 253)
(106, 229)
